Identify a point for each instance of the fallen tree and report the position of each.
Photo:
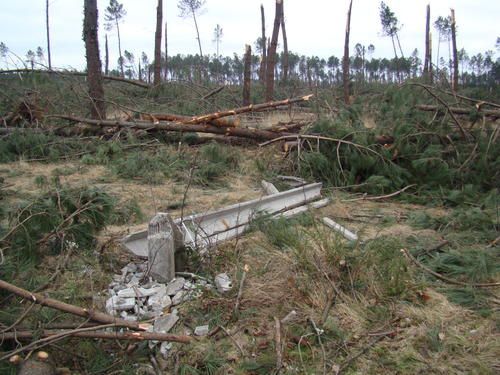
(77, 74)
(252, 133)
(214, 123)
(460, 111)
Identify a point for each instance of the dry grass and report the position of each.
(426, 335)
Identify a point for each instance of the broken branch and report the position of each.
(72, 309)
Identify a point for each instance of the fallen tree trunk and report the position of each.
(77, 74)
(72, 309)
(134, 336)
(251, 133)
(249, 108)
(459, 111)
(154, 117)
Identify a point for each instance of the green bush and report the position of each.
(58, 219)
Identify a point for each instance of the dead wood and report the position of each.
(134, 336)
(71, 309)
(460, 110)
(249, 108)
(250, 133)
(154, 117)
(365, 198)
(213, 92)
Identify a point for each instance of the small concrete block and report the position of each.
(201, 330)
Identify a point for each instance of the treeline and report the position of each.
(477, 70)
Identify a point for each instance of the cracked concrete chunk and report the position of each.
(180, 297)
(165, 323)
(175, 286)
(223, 282)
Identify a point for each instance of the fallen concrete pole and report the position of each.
(340, 229)
(202, 231)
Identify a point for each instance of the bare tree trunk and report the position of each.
(197, 34)
(140, 71)
(96, 91)
(431, 69)
(285, 48)
(48, 34)
(455, 53)
(159, 23)
(106, 58)
(427, 61)
(166, 52)
(120, 48)
(247, 75)
(271, 56)
(263, 63)
(345, 65)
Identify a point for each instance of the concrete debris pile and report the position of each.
(135, 296)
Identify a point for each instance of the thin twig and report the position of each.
(364, 198)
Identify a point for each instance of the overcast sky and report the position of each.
(314, 27)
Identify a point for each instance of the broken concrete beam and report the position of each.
(269, 188)
(203, 230)
(340, 229)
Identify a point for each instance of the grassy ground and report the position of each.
(375, 311)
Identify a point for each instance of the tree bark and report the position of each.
(285, 47)
(106, 57)
(345, 65)
(247, 75)
(427, 43)
(48, 34)
(271, 56)
(96, 91)
(455, 52)
(263, 62)
(159, 23)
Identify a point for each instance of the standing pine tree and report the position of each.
(113, 15)
(190, 8)
(391, 27)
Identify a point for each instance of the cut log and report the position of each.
(459, 110)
